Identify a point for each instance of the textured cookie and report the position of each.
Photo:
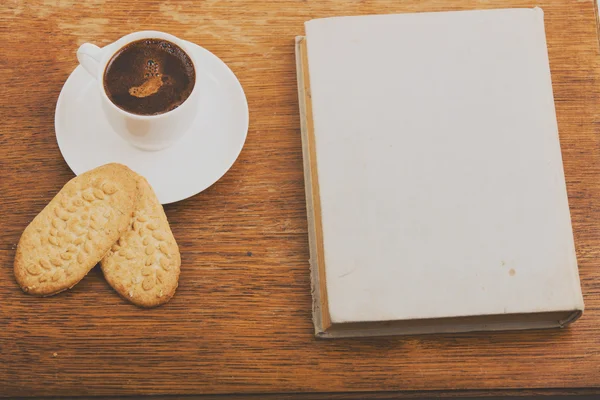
(143, 266)
(72, 233)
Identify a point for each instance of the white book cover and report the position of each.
(442, 189)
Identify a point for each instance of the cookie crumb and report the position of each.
(54, 354)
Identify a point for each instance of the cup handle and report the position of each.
(89, 56)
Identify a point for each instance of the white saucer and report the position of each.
(196, 161)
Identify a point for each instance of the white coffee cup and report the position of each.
(147, 132)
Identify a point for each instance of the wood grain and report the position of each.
(241, 319)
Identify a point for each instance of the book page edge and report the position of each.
(321, 318)
(481, 323)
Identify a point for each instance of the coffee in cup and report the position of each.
(149, 77)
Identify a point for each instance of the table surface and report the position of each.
(241, 319)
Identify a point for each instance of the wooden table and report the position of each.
(241, 319)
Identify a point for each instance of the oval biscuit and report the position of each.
(72, 233)
(143, 266)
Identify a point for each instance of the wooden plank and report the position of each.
(549, 394)
(241, 320)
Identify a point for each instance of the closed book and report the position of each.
(435, 188)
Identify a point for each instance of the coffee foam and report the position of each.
(153, 82)
(148, 88)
